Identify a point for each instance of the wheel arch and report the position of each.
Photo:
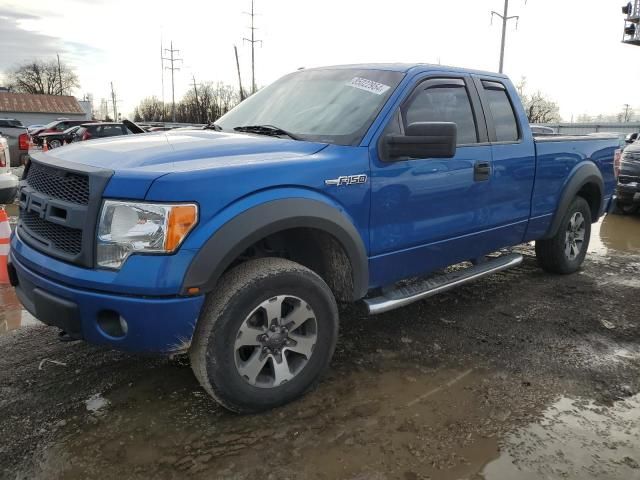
(585, 181)
(238, 234)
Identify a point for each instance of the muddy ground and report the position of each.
(521, 375)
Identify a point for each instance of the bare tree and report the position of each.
(43, 77)
(150, 109)
(212, 101)
(626, 115)
(538, 107)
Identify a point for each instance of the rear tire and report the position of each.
(565, 251)
(246, 347)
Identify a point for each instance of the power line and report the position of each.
(505, 18)
(253, 42)
(173, 68)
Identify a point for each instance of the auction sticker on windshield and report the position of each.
(368, 85)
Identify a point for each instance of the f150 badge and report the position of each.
(347, 180)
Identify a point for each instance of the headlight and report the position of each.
(135, 227)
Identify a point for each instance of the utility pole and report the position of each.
(239, 77)
(114, 101)
(172, 59)
(253, 42)
(626, 112)
(195, 89)
(60, 74)
(162, 77)
(505, 18)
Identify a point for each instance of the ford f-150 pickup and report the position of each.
(235, 243)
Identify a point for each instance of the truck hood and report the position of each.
(164, 152)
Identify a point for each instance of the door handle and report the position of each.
(481, 171)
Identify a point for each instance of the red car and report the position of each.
(58, 126)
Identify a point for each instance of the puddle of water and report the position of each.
(617, 233)
(12, 315)
(400, 423)
(576, 439)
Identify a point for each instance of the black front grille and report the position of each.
(68, 240)
(61, 184)
(624, 179)
(59, 207)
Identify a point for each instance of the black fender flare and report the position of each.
(239, 233)
(587, 173)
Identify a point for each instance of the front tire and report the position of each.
(265, 336)
(565, 251)
(55, 143)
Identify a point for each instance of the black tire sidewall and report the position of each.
(229, 386)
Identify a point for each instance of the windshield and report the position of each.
(324, 105)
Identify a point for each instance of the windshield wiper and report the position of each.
(270, 130)
(212, 126)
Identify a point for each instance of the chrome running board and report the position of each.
(406, 294)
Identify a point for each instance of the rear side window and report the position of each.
(110, 130)
(444, 103)
(10, 123)
(504, 118)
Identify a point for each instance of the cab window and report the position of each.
(443, 101)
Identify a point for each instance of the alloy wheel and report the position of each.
(275, 341)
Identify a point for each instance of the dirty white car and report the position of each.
(8, 181)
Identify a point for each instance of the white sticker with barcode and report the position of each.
(368, 85)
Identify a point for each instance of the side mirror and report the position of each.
(423, 140)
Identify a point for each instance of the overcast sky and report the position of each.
(569, 49)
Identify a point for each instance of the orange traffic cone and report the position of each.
(45, 147)
(5, 233)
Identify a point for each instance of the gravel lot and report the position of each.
(520, 375)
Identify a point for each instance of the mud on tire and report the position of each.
(238, 331)
(565, 251)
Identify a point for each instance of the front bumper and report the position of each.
(8, 187)
(160, 324)
(628, 193)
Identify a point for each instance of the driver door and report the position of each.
(427, 213)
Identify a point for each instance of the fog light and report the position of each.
(112, 323)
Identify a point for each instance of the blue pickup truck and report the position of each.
(236, 242)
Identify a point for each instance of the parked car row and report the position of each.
(55, 136)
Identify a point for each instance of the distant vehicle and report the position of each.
(8, 181)
(542, 130)
(632, 137)
(34, 128)
(159, 129)
(88, 131)
(17, 138)
(59, 125)
(56, 139)
(628, 188)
